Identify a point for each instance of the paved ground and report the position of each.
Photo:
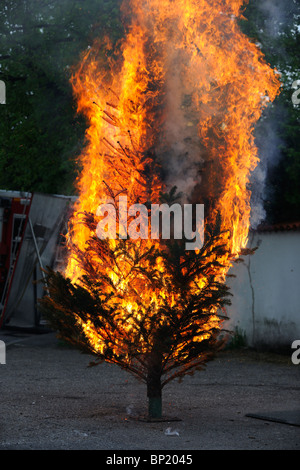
(50, 399)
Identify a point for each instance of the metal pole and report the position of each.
(37, 251)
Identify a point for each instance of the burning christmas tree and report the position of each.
(176, 107)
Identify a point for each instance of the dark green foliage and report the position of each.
(276, 27)
(41, 134)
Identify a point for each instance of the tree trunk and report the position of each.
(154, 391)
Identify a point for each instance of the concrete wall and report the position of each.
(266, 291)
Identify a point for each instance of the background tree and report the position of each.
(40, 131)
(275, 26)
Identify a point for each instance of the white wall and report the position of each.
(266, 291)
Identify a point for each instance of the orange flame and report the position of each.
(188, 85)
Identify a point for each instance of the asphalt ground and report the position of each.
(52, 400)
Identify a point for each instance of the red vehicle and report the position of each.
(14, 212)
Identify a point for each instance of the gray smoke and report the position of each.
(275, 16)
(179, 149)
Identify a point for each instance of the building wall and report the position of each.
(266, 291)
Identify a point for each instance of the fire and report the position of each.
(189, 87)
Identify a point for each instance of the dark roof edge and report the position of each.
(281, 227)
